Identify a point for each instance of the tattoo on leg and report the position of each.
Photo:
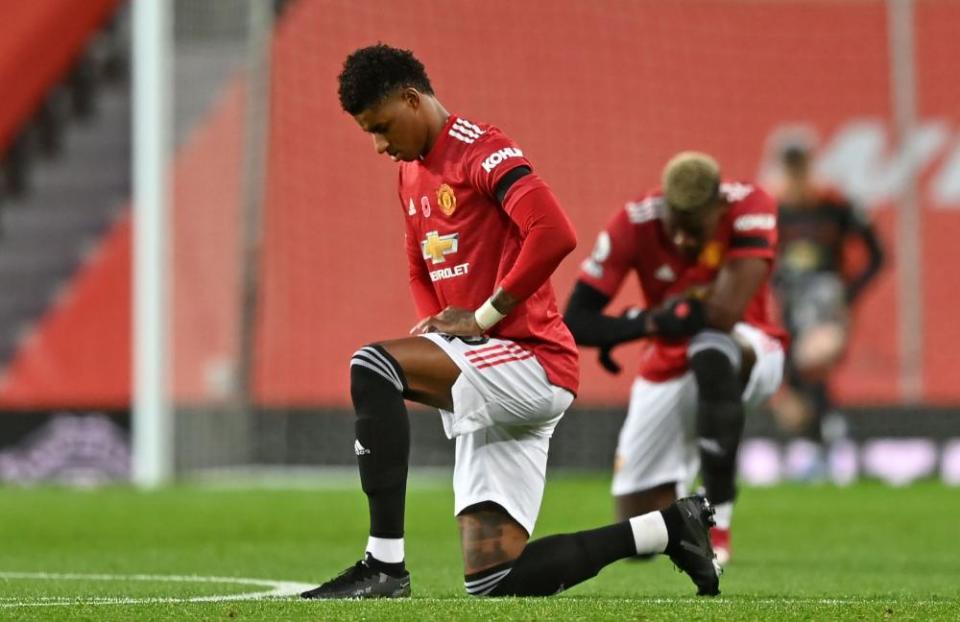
(489, 538)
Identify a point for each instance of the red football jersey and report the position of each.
(635, 239)
(461, 243)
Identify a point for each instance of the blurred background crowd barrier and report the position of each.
(286, 248)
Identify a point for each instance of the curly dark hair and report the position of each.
(372, 73)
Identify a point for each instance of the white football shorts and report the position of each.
(504, 413)
(658, 443)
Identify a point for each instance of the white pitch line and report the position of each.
(283, 589)
(659, 600)
(278, 589)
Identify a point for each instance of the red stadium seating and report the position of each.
(39, 41)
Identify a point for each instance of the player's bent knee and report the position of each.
(490, 538)
(718, 342)
(481, 584)
(382, 431)
(715, 359)
(545, 567)
(373, 365)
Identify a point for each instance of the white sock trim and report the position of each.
(649, 533)
(386, 550)
(724, 514)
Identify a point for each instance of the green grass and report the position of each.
(801, 553)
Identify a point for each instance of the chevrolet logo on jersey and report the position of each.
(435, 246)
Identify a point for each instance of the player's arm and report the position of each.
(601, 276)
(590, 326)
(721, 307)
(547, 234)
(734, 288)
(748, 262)
(861, 226)
(421, 287)
(547, 237)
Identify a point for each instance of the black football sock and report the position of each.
(555, 563)
(674, 522)
(382, 445)
(720, 419)
(820, 404)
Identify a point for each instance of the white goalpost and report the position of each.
(152, 418)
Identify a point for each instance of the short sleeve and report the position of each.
(491, 157)
(612, 256)
(753, 223)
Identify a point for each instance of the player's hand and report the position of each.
(452, 321)
(679, 318)
(607, 361)
(605, 355)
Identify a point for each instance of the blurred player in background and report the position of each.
(483, 235)
(817, 225)
(703, 250)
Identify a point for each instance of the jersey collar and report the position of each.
(440, 144)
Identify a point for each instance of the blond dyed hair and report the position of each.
(691, 180)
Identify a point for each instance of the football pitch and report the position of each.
(866, 552)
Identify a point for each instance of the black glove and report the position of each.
(679, 318)
(604, 356)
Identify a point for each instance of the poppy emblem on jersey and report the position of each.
(711, 255)
(435, 246)
(446, 199)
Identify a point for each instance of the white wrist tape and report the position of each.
(487, 315)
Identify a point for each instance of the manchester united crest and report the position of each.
(446, 199)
